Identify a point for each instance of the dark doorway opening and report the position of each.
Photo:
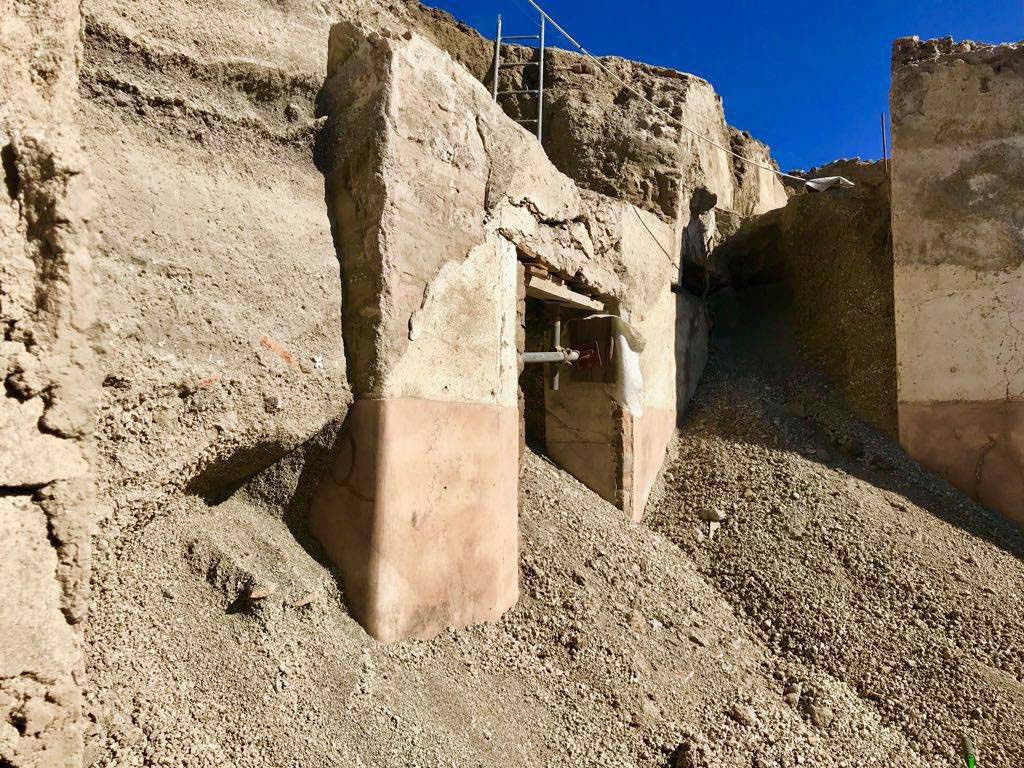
(532, 380)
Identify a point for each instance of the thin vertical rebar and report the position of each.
(885, 145)
(557, 334)
(540, 86)
(497, 58)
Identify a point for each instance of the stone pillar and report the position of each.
(958, 230)
(46, 481)
(433, 195)
(420, 508)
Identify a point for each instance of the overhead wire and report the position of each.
(523, 10)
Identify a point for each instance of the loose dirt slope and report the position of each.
(618, 654)
(845, 557)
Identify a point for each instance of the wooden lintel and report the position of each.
(547, 290)
(536, 270)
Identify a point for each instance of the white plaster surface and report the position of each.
(462, 343)
(961, 333)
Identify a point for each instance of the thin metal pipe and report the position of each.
(561, 356)
(557, 334)
(885, 143)
(497, 59)
(555, 24)
(540, 86)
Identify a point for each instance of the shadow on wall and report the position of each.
(757, 344)
(826, 262)
(693, 326)
(532, 379)
(694, 284)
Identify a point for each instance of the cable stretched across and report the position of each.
(640, 96)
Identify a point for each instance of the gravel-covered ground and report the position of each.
(843, 556)
(849, 610)
(618, 654)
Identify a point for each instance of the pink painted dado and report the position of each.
(420, 512)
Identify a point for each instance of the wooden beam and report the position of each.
(547, 290)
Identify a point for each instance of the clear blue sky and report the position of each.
(810, 77)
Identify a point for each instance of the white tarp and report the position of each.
(829, 182)
(628, 390)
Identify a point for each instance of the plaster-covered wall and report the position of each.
(958, 228)
(434, 194)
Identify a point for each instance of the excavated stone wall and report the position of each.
(958, 226)
(420, 506)
(222, 363)
(219, 292)
(608, 140)
(46, 310)
(219, 305)
(203, 122)
(822, 266)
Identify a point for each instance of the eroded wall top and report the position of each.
(959, 134)
(605, 138)
(958, 213)
(421, 176)
(609, 140)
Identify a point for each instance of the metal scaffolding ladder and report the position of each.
(539, 63)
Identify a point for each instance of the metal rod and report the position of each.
(557, 334)
(556, 25)
(512, 93)
(559, 356)
(521, 37)
(885, 144)
(540, 86)
(497, 59)
(513, 64)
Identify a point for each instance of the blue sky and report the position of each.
(810, 77)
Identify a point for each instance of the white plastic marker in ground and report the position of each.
(968, 748)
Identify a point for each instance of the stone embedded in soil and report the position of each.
(744, 715)
(822, 717)
(712, 515)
